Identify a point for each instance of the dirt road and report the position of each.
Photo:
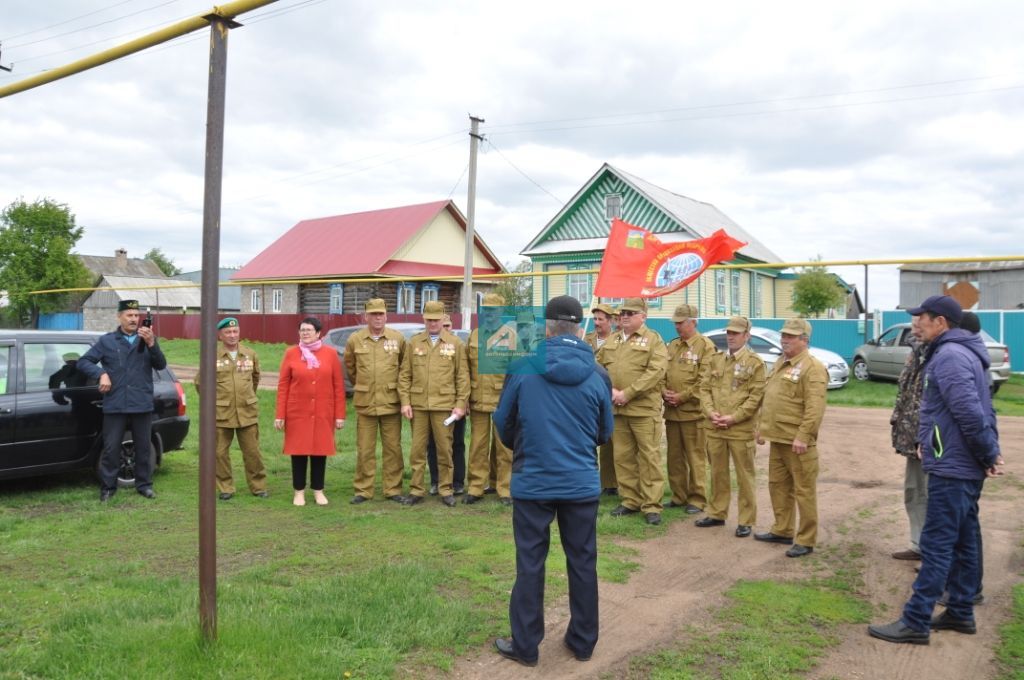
(685, 573)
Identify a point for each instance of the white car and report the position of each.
(767, 344)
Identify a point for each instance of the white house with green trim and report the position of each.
(577, 236)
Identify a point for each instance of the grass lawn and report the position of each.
(186, 352)
(1009, 400)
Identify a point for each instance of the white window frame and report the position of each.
(734, 290)
(276, 300)
(720, 291)
(336, 302)
(612, 206)
(255, 300)
(429, 292)
(406, 306)
(579, 286)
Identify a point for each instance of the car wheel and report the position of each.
(126, 470)
(860, 369)
(995, 388)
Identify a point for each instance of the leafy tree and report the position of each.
(517, 291)
(165, 263)
(816, 291)
(35, 254)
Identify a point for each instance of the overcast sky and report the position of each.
(846, 130)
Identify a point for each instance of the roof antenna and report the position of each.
(6, 68)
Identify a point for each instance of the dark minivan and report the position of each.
(51, 415)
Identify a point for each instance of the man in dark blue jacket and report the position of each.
(128, 356)
(555, 410)
(958, 448)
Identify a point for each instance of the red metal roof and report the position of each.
(345, 245)
(407, 268)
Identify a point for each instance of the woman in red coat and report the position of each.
(310, 407)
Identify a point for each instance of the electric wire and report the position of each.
(67, 21)
(520, 171)
(86, 28)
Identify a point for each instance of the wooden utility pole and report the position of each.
(468, 303)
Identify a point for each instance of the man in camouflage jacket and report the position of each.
(904, 420)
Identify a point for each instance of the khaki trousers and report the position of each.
(793, 487)
(249, 443)
(423, 423)
(742, 453)
(485, 446)
(389, 426)
(687, 462)
(638, 462)
(607, 458)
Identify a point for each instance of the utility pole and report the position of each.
(467, 282)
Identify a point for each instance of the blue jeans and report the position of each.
(949, 552)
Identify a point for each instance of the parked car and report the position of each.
(767, 344)
(884, 356)
(337, 337)
(51, 416)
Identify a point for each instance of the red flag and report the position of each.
(637, 264)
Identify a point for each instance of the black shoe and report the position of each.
(769, 537)
(692, 509)
(433, 489)
(897, 632)
(946, 622)
(448, 500)
(459, 490)
(506, 649)
(577, 655)
(653, 518)
(358, 500)
(622, 511)
(147, 492)
(398, 498)
(490, 489)
(673, 504)
(799, 550)
(106, 494)
(908, 554)
(506, 501)
(742, 531)
(610, 491)
(412, 500)
(944, 600)
(470, 499)
(225, 496)
(705, 522)
(261, 494)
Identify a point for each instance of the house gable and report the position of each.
(442, 242)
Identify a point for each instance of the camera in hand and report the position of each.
(148, 321)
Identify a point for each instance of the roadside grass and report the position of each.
(186, 352)
(1008, 401)
(1010, 651)
(377, 590)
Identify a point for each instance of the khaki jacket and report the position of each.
(794, 400)
(591, 339)
(484, 388)
(685, 360)
(636, 365)
(733, 385)
(237, 380)
(373, 368)
(434, 378)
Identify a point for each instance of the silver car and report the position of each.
(767, 344)
(885, 356)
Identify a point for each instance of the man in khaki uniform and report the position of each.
(373, 359)
(238, 411)
(599, 337)
(484, 392)
(794, 404)
(684, 423)
(433, 385)
(732, 386)
(636, 366)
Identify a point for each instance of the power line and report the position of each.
(86, 28)
(517, 169)
(67, 21)
(458, 181)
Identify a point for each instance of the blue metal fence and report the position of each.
(61, 321)
(1006, 326)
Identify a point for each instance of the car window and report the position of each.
(888, 338)
(761, 346)
(4, 363)
(53, 365)
(905, 338)
(719, 341)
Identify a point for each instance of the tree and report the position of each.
(816, 291)
(517, 291)
(165, 263)
(35, 254)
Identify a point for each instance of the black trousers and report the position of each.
(114, 426)
(531, 527)
(458, 455)
(317, 468)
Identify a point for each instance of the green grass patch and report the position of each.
(1008, 401)
(1010, 651)
(186, 352)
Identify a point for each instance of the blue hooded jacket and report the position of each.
(958, 425)
(554, 416)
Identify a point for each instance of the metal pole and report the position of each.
(467, 281)
(208, 327)
(866, 306)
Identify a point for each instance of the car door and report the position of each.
(8, 402)
(59, 409)
(880, 358)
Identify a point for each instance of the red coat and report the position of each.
(309, 401)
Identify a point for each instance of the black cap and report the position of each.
(125, 305)
(564, 308)
(941, 305)
(970, 322)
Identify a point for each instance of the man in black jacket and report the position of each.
(128, 356)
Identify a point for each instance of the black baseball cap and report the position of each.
(941, 305)
(564, 308)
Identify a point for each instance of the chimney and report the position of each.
(121, 257)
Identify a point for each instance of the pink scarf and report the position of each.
(307, 349)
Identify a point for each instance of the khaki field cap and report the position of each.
(433, 310)
(493, 300)
(375, 305)
(603, 307)
(634, 305)
(738, 324)
(797, 327)
(684, 312)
